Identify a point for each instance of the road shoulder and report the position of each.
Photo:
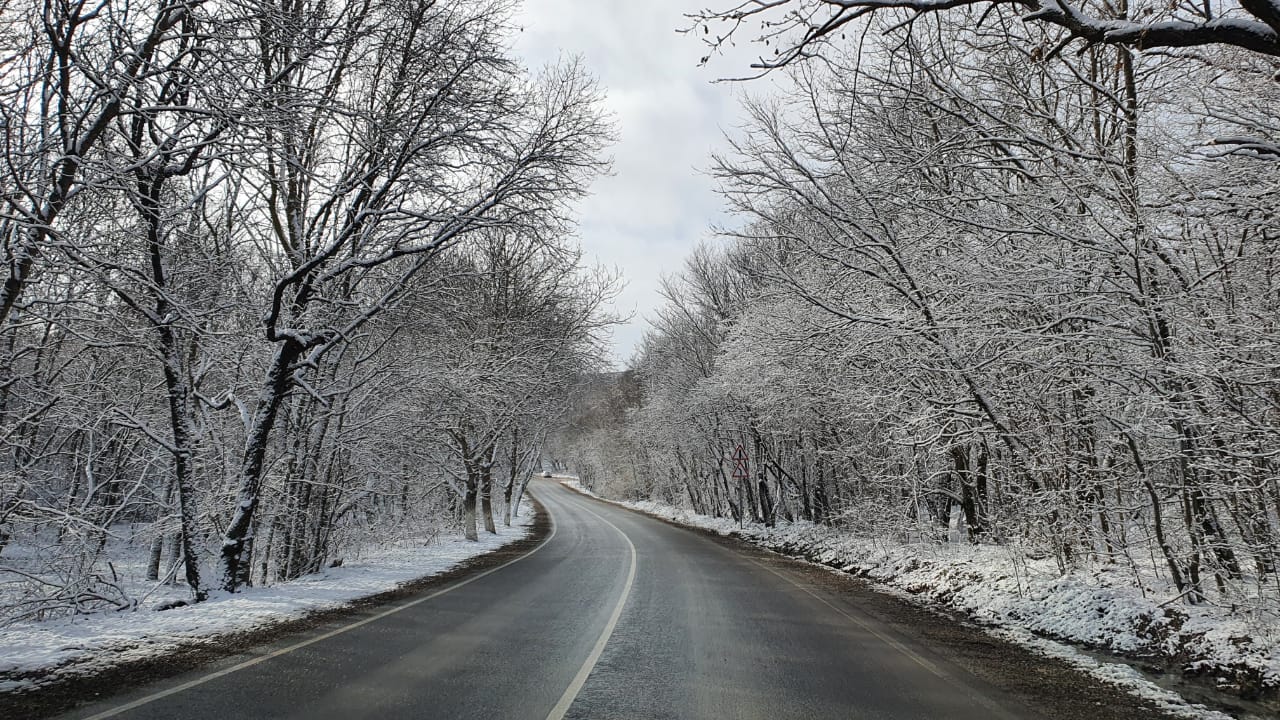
(72, 689)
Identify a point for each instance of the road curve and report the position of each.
(616, 615)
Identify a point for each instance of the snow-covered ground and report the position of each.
(1030, 602)
(45, 650)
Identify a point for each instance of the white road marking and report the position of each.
(297, 646)
(885, 638)
(998, 709)
(580, 679)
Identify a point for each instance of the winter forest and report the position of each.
(280, 279)
(991, 279)
(287, 280)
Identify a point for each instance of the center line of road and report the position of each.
(580, 679)
(296, 646)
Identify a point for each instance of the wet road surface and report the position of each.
(615, 615)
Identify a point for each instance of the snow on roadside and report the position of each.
(1030, 607)
(1112, 672)
(84, 644)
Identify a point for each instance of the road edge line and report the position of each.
(896, 645)
(923, 662)
(579, 680)
(112, 712)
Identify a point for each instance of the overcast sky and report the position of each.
(658, 204)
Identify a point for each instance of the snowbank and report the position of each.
(87, 643)
(1030, 602)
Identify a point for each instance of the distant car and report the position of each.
(546, 473)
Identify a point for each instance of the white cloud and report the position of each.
(657, 205)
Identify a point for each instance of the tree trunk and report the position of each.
(519, 496)
(513, 471)
(766, 503)
(506, 500)
(175, 379)
(153, 559)
(1157, 518)
(469, 511)
(486, 494)
(237, 539)
(157, 545)
(175, 557)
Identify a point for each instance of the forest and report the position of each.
(281, 280)
(285, 280)
(992, 277)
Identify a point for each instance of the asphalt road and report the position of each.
(616, 615)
